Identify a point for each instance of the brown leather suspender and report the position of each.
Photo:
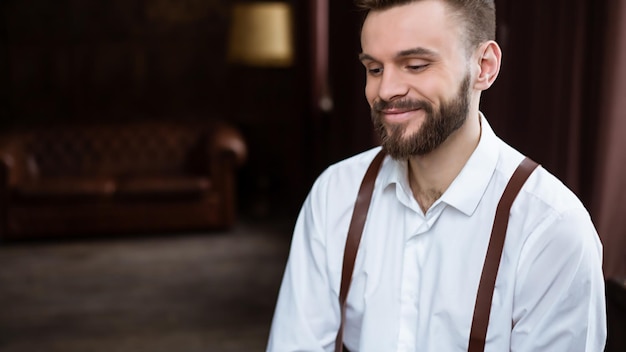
(484, 296)
(357, 223)
(492, 260)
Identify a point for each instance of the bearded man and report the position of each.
(420, 259)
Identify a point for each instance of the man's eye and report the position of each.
(417, 67)
(374, 71)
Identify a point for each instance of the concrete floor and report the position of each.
(174, 293)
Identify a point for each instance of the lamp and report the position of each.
(261, 34)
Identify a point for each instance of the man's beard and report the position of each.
(435, 129)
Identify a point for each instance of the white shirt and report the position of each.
(416, 275)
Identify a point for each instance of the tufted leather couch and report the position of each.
(130, 177)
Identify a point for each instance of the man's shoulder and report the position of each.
(542, 185)
(546, 209)
(553, 192)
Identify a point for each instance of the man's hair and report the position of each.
(479, 16)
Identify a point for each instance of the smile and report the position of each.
(398, 115)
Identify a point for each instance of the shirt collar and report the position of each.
(467, 188)
(470, 185)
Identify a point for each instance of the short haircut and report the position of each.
(479, 16)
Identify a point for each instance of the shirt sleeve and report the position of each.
(306, 317)
(559, 296)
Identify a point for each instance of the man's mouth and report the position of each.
(398, 115)
(393, 111)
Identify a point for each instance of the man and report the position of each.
(424, 243)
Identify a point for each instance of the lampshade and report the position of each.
(261, 34)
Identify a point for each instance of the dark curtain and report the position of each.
(559, 99)
(609, 196)
(543, 100)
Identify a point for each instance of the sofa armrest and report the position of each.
(228, 140)
(6, 161)
(9, 175)
(12, 162)
(227, 151)
(4, 196)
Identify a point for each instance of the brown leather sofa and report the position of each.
(124, 177)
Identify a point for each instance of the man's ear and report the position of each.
(489, 57)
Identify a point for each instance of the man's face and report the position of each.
(418, 80)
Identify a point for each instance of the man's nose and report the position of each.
(392, 85)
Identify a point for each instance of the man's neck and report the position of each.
(430, 175)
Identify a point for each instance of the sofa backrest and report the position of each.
(118, 149)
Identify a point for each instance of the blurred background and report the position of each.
(286, 75)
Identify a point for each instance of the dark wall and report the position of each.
(351, 117)
(92, 60)
(99, 59)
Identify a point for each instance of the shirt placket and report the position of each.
(416, 245)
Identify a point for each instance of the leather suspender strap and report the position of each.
(357, 223)
(482, 308)
(492, 260)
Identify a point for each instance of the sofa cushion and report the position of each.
(155, 187)
(68, 188)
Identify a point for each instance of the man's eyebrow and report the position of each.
(419, 51)
(364, 56)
